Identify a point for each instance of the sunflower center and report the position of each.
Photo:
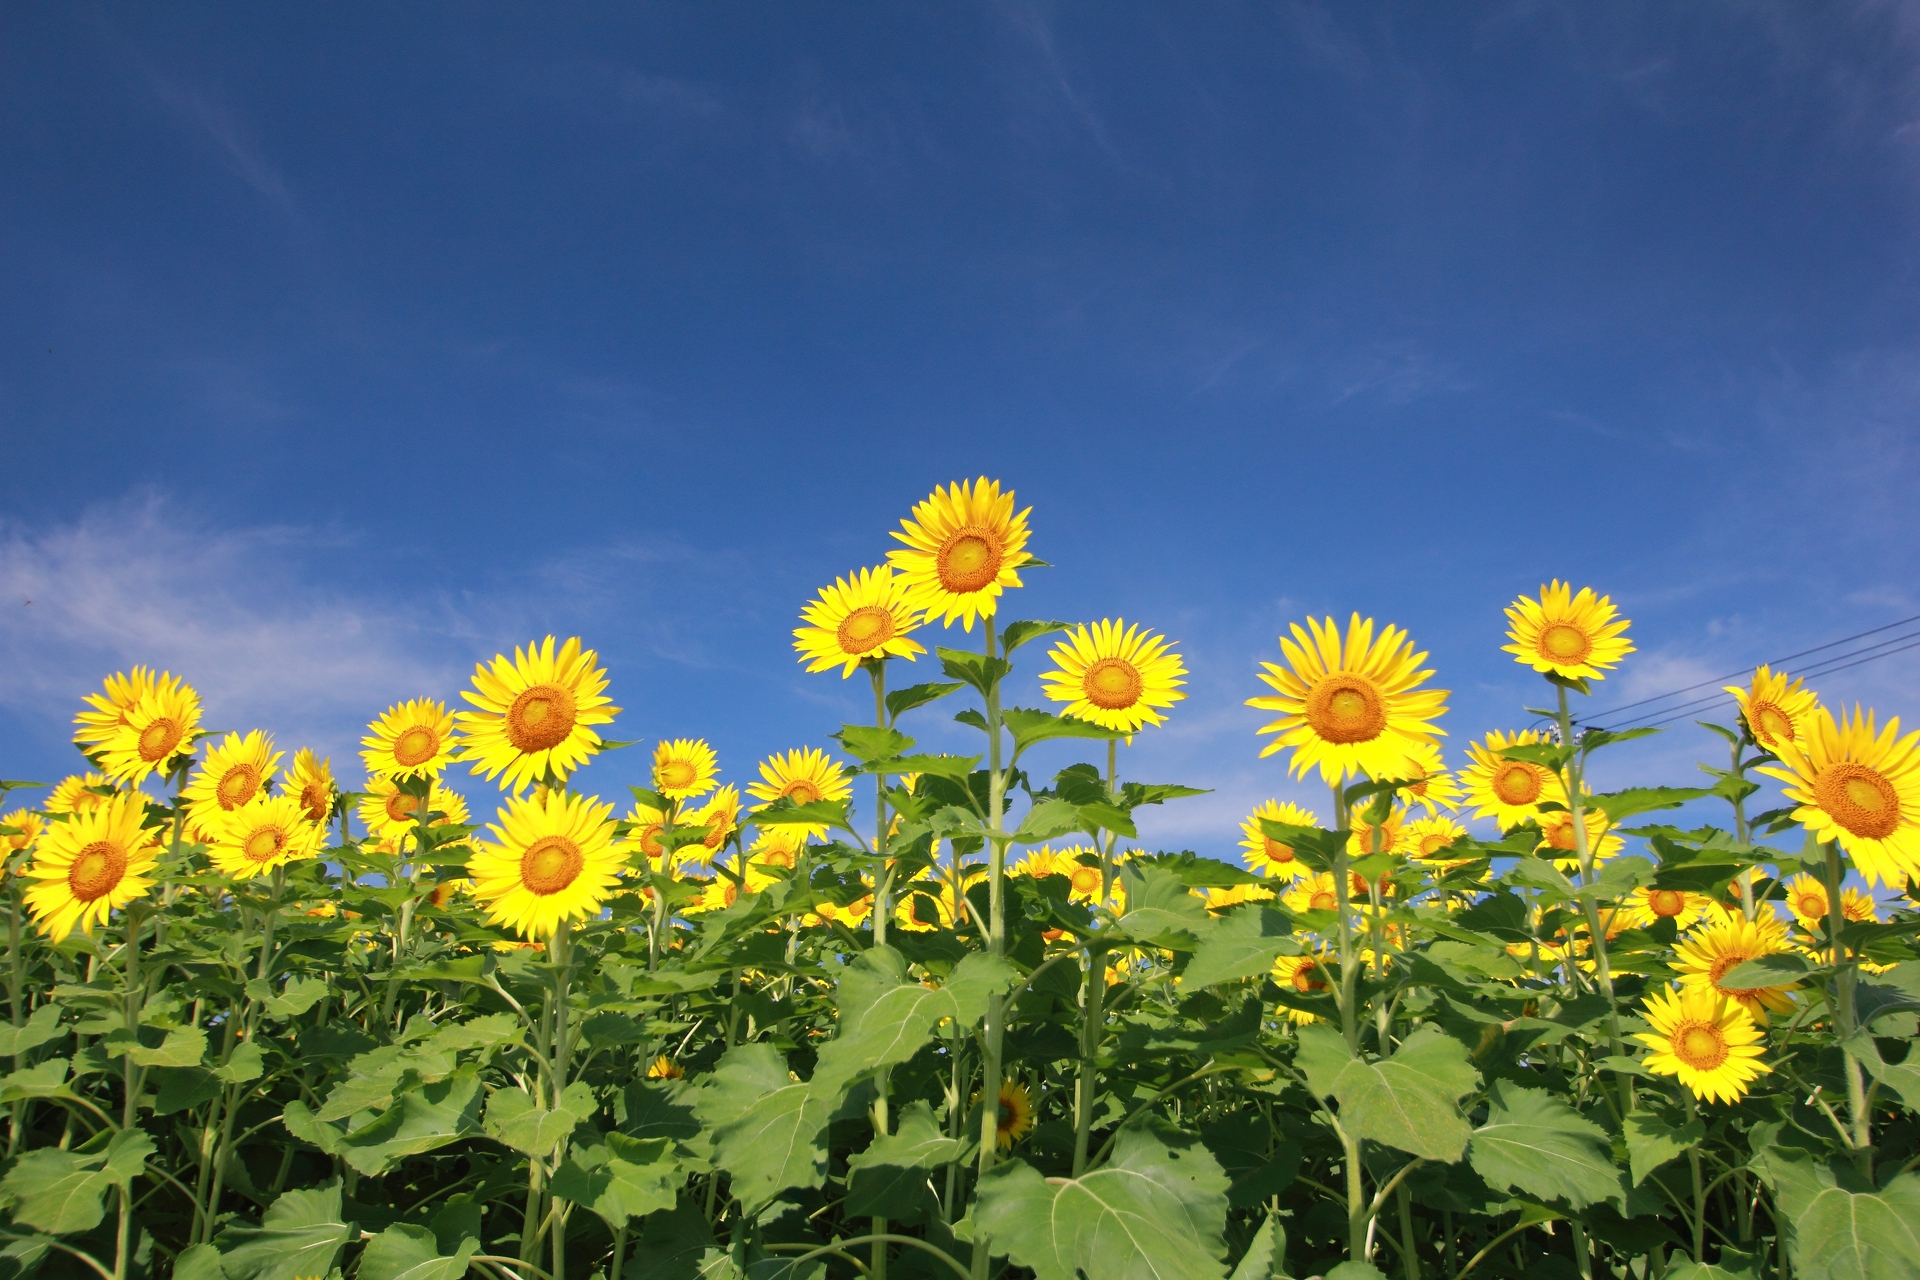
(1769, 723)
(1562, 642)
(1008, 1117)
(1725, 965)
(1112, 684)
(416, 746)
(402, 807)
(314, 800)
(674, 774)
(969, 559)
(158, 739)
(1517, 783)
(1809, 903)
(1859, 799)
(1666, 902)
(778, 858)
(1433, 843)
(1323, 900)
(802, 790)
(1700, 1045)
(96, 870)
(237, 786)
(1346, 708)
(263, 844)
(1559, 831)
(650, 839)
(541, 718)
(865, 629)
(550, 864)
(1085, 879)
(1277, 852)
(1303, 979)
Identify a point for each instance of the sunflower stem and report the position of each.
(1094, 992)
(995, 1028)
(560, 954)
(883, 881)
(1845, 1018)
(1359, 1237)
(1573, 777)
(1743, 833)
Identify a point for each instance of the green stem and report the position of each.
(994, 1035)
(883, 881)
(1357, 1215)
(1699, 1188)
(1094, 992)
(560, 953)
(1573, 777)
(1846, 1018)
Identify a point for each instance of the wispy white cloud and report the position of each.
(207, 118)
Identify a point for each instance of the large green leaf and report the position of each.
(1162, 910)
(301, 1234)
(1653, 1140)
(420, 1120)
(517, 1120)
(620, 1178)
(1030, 727)
(764, 1124)
(1902, 1077)
(889, 1178)
(182, 1047)
(43, 1026)
(1156, 1211)
(1842, 1232)
(60, 1192)
(1046, 821)
(1242, 945)
(1408, 1101)
(671, 1246)
(885, 1016)
(1621, 805)
(1266, 1257)
(1534, 1143)
(403, 1252)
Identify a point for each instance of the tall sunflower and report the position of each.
(1385, 836)
(231, 774)
(1557, 834)
(26, 825)
(1304, 975)
(1272, 857)
(1708, 1041)
(75, 793)
(1859, 787)
(310, 780)
(413, 739)
(1574, 636)
(1647, 907)
(1807, 899)
(1726, 942)
(863, 617)
(1316, 892)
(1775, 707)
(1428, 838)
(536, 713)
(719, 816)
(963, 547)
(158, 727)
(684, 768)
(1509, 791)
(556, 860)
(1352, 706)
(803, 775)
(87, 866)
(777, 846)
(645, 823)
(1114, 675)
(1431, 786)
(109, 707)
(263, 834)
(387, 812)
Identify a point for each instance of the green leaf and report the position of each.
(1408, 1101)
(198, 1262)
(59, 1192)
(672, 1244)
(1242, 945)
(932, 766)
(885, 1016)
(1047, 820)
(976, 669)
(1162, 910)
(901, 701)
(1683, 1269)
(1312, 845)
(620, 1178)
(1902, 1077)
(1352, 1270)
(403, 1252)
(867, 743)
(183, 1047)
(1018, 633)
(181, 1088)
(1783, 968)
(515, 1119)
(815, 813)
(301, 1234)
(1621, 805)
(1030, 727)
(765, 1126)
(1098, 816)
(42, 1027)
(889, 1179)
(245, 1063)
(300, 995)
(420, 1120)
(1839, 1232)
(1652, 1141)
(1536, 1144)
(1551, 754)
(1156, 1211)
(1266, 1257)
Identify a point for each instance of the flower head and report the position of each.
(1568, 635)
(78, 792)
(1707, 1040)
(964, 546)
(1860, 787)
(1431, 787)
(311, 781)
(1648, 906)
(536, 713)
(266, 832)
(1509, 791)
(388, 812)
(556, 859)
(412, 740)
(803, 776)
(1349, 705)
(1707, 955)
(1775, 708)
(157, 728)
(26, 825)
(864, 617)
(1303, 975)
(87, 866)
(1114, 675)
(109, 708)
(231, 774)
(1266, 855)
(684, 768)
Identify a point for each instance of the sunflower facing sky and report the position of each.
(89, 865)
(1568, 635)
(1351, 706)
(536, 713)
(1557, 834)
(803, 776)
(684, 769)
(413, 739)
(556, 860)
(963, 547)
(719, 816)
(1775, 708)
(108, 709)
(1727, 941)
(263, 834)
(158, 727)
(75, 793)
(1860, 787)
(1113, 675)
(1807, 899)
(26, 825)
(645, 824)
(1431, 786)
(1508, 791)
(388, 812)
(1709, 1042)
(1428, 838)
(1272, 857)
(231, 774)
(1646, 907)
(310, 780)
(864, 617)
(1316, 892)
(1303, 975)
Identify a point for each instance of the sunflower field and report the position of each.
(891, 1012)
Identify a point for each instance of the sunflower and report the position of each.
(1722, 945)
(1509, 791)
(1351, 706)
(1807, 899)
(1385, 836)
(934, 894)
(684, 768)
(1431, 786)
(389, 813)
(1221, 899)
(76, 793)
(1305, 975)
(1428, 838)
(804, 775)
(1016, 1114)
(777, 846)
(1566, 635)
(1316, 892)
(1646, 907)
(1084, 875)
(311, 781)
(864, 617)
(158, 727)
(1710, 1042)
(90, 864)
(1114, 675)
(1266, 855)
(1775, 708)
(119, 693)
(1557, 833)
(827, 912)
(963, 546)
(725, 890)
(26, 825)
(1038, 864)
(413, 739)
(1859, 787)
(664, 1068)
(230, 775)
(720, 816)
(556, 860)
(265, 833)
(536, 713)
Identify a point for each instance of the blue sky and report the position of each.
(345, 347)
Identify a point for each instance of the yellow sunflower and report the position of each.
(1859, 787)
(1221, 899)
(310, 780)
(1647, 907)
(936, 895)
(684, 768)
(76, 793)
(1016, 1114)
(388, 813)
(1114, 675)
(1385, 836)
(1304, 975)
(725, 890)
(1509, 791)
(263, 834)
(646, 823)
(26, 825)
(230, 775)
(1722, 945)
(1775, 708)
(1038, 864)
(963, 546)
(864, 617)
(804, 775)
(720, 816)
(1711, 1043)
(556, 860)
(536, 713)
(158, 727)
(1083, 874)
(1807, 899)
(1569, 635)
(1433, 788)
(1348, 707)
(87, 866)
(1429, 838)
(413, 739)
(777, 846)
(827, 912)
(1266, 855)
(1316, 892)
(119, 693)
(664, 1068)
(1557, 834)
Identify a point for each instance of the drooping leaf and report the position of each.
(301, 1234)
(1243, 944)
(1408, 1101)
(1048, 820)
(901, 701)
(1653, 1140)
(42, 1027)
(60, 1192)
(1844, 1232)
(765, 1125)
(1534, 1143)
(1162, 910)
(1018, 633)
(867, 743)
(517, 1120)
(620, 1178)
(885, 1016)
(245, 1063)
(300, 995)
(403, 1252)
(1621, 805)
(182, 1047)
(420, 1120)
(1029, 727)
(889, 1179)
(976, 669)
